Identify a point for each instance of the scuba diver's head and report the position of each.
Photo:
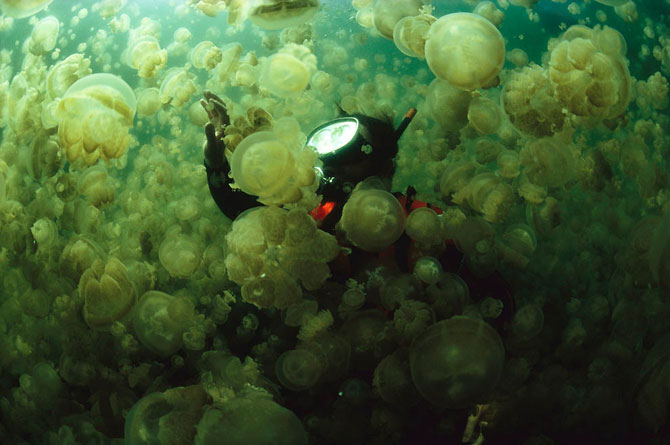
(355, 147)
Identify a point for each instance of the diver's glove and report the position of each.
(231, 201)
(215, 130)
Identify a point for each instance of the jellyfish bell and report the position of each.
(23, 8)
(410, 33)
(386, 13)
(278, 14)
(44, 35)
(94, 117)
(466, 50)
(288, 72)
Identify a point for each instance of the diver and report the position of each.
(351, 148)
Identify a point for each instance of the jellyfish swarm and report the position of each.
(466, 50)
(94, 117)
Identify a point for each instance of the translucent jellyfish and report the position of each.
(66, 72)
(548, 161)
(529, 102)
(589, 72)
(423, 226)
(108, 294)
(145, 55)
(94, 117)
(466, 50)
(410, 34)
(230, 61)
(210, 8)
(372, 219)
(23, 8)
(457, 362)
(148, 101)
(205, 55)
(288, 72)
(489, 11)
(484, 115)
(44, 36)
(278, 14)
(298, 369)
(518, 57)
(387, 13)
(448, 105)
(160, 321)
(269, 165)
(180, 255)
(250, 419)
(177, 87)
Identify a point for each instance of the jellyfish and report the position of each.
(372, 219)
(288, 72)
(177, 87)
(148, 102)
(278, 14)
(386, 13)
(205, 55)
(457, 362)
(146, 56)
(44, 36)
(94, 117)
(268, 165)
(410, 34)
(466, 50)
(23, 8)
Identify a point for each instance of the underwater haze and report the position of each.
(497, 273)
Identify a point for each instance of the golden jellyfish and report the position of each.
(528, 100)
(410, 34)
(44, 36)
(66, 72)
(269, 165)
(146, 56)
(457, 362)
(177, 87)
(589, 73)
(278, 14)
(180, 255)
(448, 105)
(148, 102)
(386, 13)
(517, 57)
(107, 292)
(484, 115)
(160, 321)
(372, 219)
(210, 8)
(288, 72)
(466, 50)
(23, 8)
(94, 117)
(205, 55)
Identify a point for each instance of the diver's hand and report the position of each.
(215, 130)
(216, 111)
